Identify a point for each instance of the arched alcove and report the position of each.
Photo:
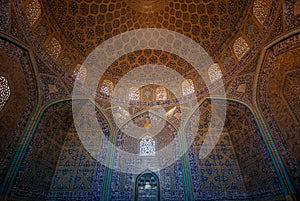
(239, 166)
(57, 153)
(277, 94)
(147, 187)
(122, 184)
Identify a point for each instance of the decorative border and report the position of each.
(275, 48)
(16, 159)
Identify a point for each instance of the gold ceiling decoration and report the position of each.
(147, 6)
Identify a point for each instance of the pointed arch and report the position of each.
(147, 186)
(268, 124)
(260, 125)
(12, 167)
(187, 87)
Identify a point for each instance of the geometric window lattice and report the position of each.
(161, 93)
(107, 87)
(187, 87)
(214, 73)
(261, 9)
(240, 47)
(147, 146)
(33, 11)
(4, 91)
(81, 75)
(134, 94)
(54, 48)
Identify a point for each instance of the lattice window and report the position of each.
(261, 10)
(147, 146)
(4, 91)
(81, 74)
(214, 73)
(54, 48)
(33, 11)
(240, 47)
(187, 87)
(134, 94)
(107, 87)
(161, 93)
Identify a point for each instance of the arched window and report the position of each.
(147, 187)
(261, 10)
(214, 73)
(147, 146)
(4, 91)
(161, 94)
(81, 75)
(240, 47)
(107, 87)
(33, 11)
(54, 48)
(187, 87)
(134, 94)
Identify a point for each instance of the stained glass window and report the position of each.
(107, 87)
(33, 11)
(54, 48)
(187, 87)
(4, 91)
(134, 94)
(161, 93)
(214, 73)
(261, 10)
(240, 47)
(147, 146)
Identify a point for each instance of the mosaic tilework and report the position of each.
(15, 29)
(88, 24)
(79, 176)
(171, 178)
(171, 184)
(17, 68)
(235, 169)
(57, 166)
(162, 138)
(5, 15)
(53, 88)
(282, 64)
(255, 163)
(292, 14)
(68, 60)
(38, 166)
(241, 88)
